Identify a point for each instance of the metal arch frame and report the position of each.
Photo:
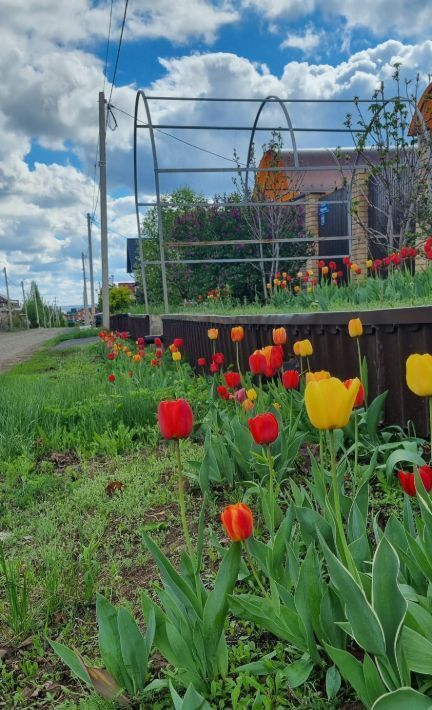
(247, 169)
(270, 99)
(141, 94)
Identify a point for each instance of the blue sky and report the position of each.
(52, 58)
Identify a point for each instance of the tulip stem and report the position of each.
(290, 409)
(271, 492)
(238, 359)
(337, 508)
(253, 570)
(356, 442)
(430, 427)
(182, 505)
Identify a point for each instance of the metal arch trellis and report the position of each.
(247, 169)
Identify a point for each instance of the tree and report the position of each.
(120, 298)
(266, 213)
(394, 143)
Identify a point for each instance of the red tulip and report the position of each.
(175, 419)
(290, 379)
(238, 522)
(257, 363)
(276, 357)
(154, 362)
(201, 362)
(346, 260)
(407, 480)
(111, 378)
(111, 356)
(218, 359)
(264, 428)
(158, 353)
(178, 342)
(214, 368)
(359, 400)
(223, 392)
(158, 342)
(332, 265)
(232, 379)
(321, 263)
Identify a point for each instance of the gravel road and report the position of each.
(19, 346)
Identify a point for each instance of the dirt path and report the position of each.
(19, 346)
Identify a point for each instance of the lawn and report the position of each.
(90, 523)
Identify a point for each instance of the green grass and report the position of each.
(67, 434)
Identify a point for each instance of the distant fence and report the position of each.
(389, 337)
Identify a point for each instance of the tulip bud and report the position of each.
(175, 419)
(264, 428)
(290, 379)
(355, 328)
(237, 334)
(213, 333)
(238, 522)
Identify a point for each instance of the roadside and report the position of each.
(18, 346)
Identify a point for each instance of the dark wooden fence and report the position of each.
(389, 337)
(138, 326)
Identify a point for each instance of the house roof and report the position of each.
(425, 108)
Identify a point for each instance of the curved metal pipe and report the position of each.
(267, 100)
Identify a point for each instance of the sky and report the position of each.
(53, 65)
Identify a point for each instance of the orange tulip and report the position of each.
(237, 333)
(238, 522)
(279, 336)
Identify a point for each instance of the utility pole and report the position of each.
(36, 307)
(8, 299)
(86, 312)
(103, 212)
(25, 305)
(90, 257)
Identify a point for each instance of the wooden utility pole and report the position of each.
(90, 257)
(8, 299)
(25, 305)
(86, 311)
(103, 212)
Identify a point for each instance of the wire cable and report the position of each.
(118, 50)
(180, 140)
(107, 45)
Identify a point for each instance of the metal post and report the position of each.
(8, 299)
(25, 305)
(103, 212)
(140, 244)
(36, 307)
(90, 257)
(86, 312)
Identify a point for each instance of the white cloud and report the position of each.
(409, 18)
(48, 94)
(306, 41)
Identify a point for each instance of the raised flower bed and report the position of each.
(389, 337)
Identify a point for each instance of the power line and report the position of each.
(180, 140)
(118, 51)
(107, 45)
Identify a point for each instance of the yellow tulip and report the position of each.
(276, 405)
(303, 348)
(329, 403)
(277, 282)
(317, 376)
(324, 270)
(300, 274)
(268, 286)
(176, 356)
(212, 333)
(310, 272)
(251, 394)
(419, 374)
(369, 263)
(355, 328)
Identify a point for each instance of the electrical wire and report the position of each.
(180, 140)
(107, 45)
(118, 50)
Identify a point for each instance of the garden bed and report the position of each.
(389, 337)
